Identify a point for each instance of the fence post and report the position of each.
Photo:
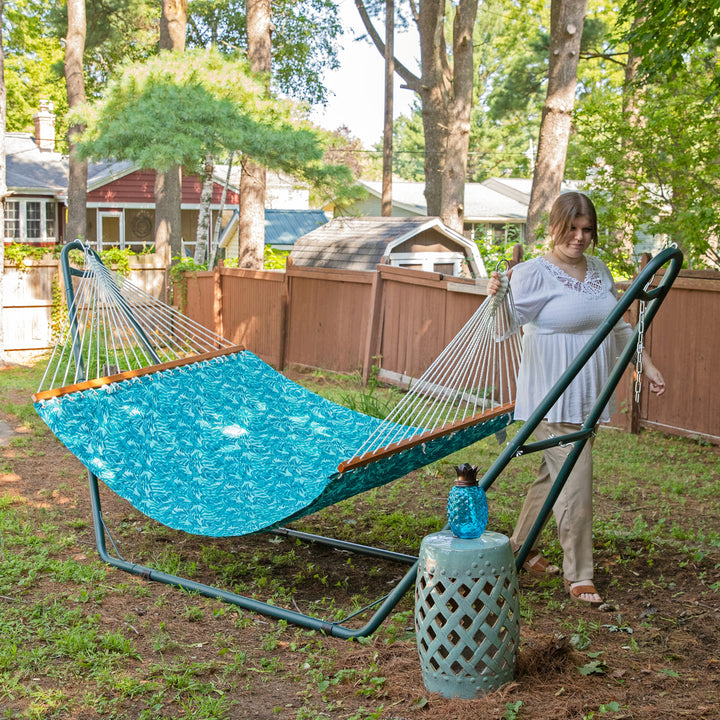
(285, 313)
(372, 342)
(217, 299)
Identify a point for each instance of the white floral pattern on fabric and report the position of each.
(591, 286)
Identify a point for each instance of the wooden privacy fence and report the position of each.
(684, 343)
(394, 319)
(398, 321)
(28, 299)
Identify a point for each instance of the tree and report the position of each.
(75, 82)
(3, 185)
(33, 65)
(178, 108)
(445, 88)
(168, 181)
(206, 193)
(386, 198)
(664, 31)
(661, 175)
(567, 18)
(251, 213)
(304, 40)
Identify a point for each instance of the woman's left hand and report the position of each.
(655, 378)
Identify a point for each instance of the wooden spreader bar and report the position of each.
(397, 447)
(139, 372)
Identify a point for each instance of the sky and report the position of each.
(357, 88)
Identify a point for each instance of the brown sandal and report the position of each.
(539, 566)
(576, 591)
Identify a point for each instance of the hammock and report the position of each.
(206, 438)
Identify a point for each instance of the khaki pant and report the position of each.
(573, 508)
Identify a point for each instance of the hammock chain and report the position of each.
(641, 334)
(639, 352)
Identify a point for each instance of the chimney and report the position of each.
(45, 126)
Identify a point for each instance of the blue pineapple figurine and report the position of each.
(467, 508)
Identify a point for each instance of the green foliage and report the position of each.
(408, 146)
(178, 108)
(118, 31)
(511, 44)
(178, 280)
(18, 253)
(668, 30)
(58, 312)
(33, 59)
(659, 176)
(275, 259)
(117, 259)
(512, 710)
(304, 42)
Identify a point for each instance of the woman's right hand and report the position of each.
(494, 283)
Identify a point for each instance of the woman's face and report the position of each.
(577, 239)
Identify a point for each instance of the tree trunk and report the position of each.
(218, 222)
(434, 94)
(168, 185)
(386, 209)
(251, 220)
(452, 210)
(631, 106)
(3, 184)
(201, 237)
(445, 92)
(75, 82)
(567, 18)
(168, 215)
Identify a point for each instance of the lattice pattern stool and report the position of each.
(467, 615)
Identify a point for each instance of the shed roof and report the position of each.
(361, 243)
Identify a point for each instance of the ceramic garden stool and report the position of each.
(467, 614)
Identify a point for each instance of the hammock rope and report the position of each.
(474, 375)
(113, 324)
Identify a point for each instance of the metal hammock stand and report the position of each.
(468, 401)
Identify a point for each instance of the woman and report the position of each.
(561, 299)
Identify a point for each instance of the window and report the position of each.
(448, 263)
(32, 221)
(50, 211)
(12, 221)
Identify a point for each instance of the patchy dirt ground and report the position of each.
(656, 657)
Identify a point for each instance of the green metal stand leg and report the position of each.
(296, 618)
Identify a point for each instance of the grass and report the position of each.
(80, 640)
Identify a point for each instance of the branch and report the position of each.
(412, 80)
(610, 57)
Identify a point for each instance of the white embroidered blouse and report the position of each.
(559, 314)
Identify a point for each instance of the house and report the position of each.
(120, 197)
(35, 176)
(495, 208)
(361, 243)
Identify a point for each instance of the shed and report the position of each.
(361, 243)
